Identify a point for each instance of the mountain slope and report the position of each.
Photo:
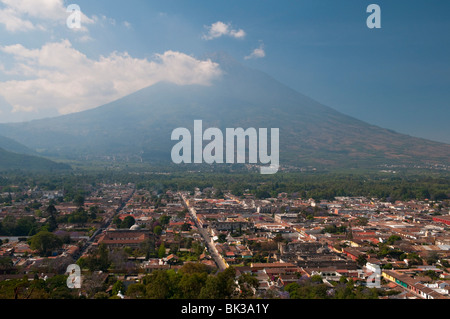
(14, 161)
(13, 146)
(140, 125)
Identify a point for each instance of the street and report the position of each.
(208, 240)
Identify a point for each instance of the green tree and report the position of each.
(158, 285)
(161, 251)
(186, 227)
(157, 230)
(118, 287)
(51, 219)
(316, 279)
(136, 291)
(128, 222)
(222, 238)
(361, 260)
(164, 219)
(393, 239)
(191, 284)
(432, 258)
(220, 286)
(103, 258)
(26, 226)
(79, 201)
(247, 285)
(45, 242)
(194, 268)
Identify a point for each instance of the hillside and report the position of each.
(13, 146)
(139, 126)
(13, 161)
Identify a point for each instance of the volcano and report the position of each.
(138, 127)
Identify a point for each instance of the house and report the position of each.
(171, 259)
(412, 285)
(286, 279)
(261, 266)
(442, 219)
(123, 238)
(329, 273)
(353, 253)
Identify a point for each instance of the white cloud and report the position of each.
(59, 77)
(257, 53)
(218, 29)
(127, 24)
(13, 22)
(26, 15)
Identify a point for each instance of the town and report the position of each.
(128, 241)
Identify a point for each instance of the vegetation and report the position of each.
(321, 185)
(195, 280)
(314, 288)
(45, 242)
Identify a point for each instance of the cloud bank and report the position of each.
(219, 29)
(57, 77)
(257, 53)
(28, 15)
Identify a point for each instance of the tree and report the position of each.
(316, 278)
(193, 268)
(118, 287)
(186, 227)
(220, 286)
(116, 221)
(432, 274)
(157, 230)
(136, 291)
(191, 284)
(278, 238)
(362, 221)
(161, 251)
(103, 258)
(51, 210)
(219, 194)
(79, 201)
(101, 295)
(128, 222)
(57, 286)
(432, 258)
(45, 242)
(26, 226)
(164, 219)
(222, 238)
(51, 220)
(148, 247)
(5, 264)
(210, 290)
(158, 285)
(392, 239)
(247, 285)
(361, 260)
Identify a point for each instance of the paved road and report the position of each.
(207, 238)
(105, 226)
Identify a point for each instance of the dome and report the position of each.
(135, 227)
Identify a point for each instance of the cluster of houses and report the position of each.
(278, 240)
(306, 245)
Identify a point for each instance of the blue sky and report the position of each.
(397, 77)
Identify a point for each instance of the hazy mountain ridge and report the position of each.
(140, 125)
(15, 161)
(11, 145)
